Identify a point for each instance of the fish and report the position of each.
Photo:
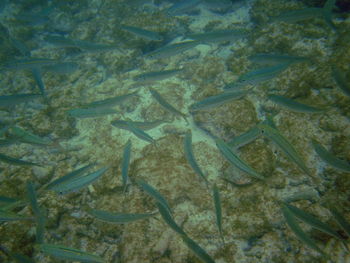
(218, 210)
(219, 36)
(14, 161)
(118, 218)
(341, 221)
(19, 134)
(217, 100)
(62, 42)
(182, 6)
(143, 125)
(20, 46)
(7, 142)
(94, 47)
(28, 64)
(235, 160)
(275, 136)
(62, 67)
(91, 112)
(37, 211)
(68, 177)
(308, 13)
(171, 50)
(167, 106)
(220, 6)
(3, 5)
(59, 41)
(140, 133)
(156, 75)
(7, 101)
(293, 105)
(245, 138)
(67, 253)
(151, 191)
(6, 216)
(311, 220)
(110, 102)
(341, 80)
(31, 194)
(36, 72)
(192, 245)
(125, 164)
(296, 229)
(13, 205)
(197, 250)
(298, 15)
(19, 258)
(28, 17)
(329, 158)
(275, 59)
(4, 200)
(169, 220)
(256, 76)
(143, 33)
(309, 194)
(3, 128)
(78, 182)
(190, 156)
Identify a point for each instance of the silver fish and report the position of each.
(275, 59)
(293, 105)
(330, 159)
(150, 190)
(157, 75)
(28, 64)
(68, 177)
(37, 211)
(254, 77)
(14, 161)
(143, 125)
(110, 102)
(182, 7)
(217, 100)
(67, 253)
(308, 13)
(27, 137)
(275, 136)
(294, 226)
(62, 67)
(190, 156)
(236, 161)
(165, 104)
(143, 33)
(91, 113)
(341, 81)
(219, 36)
(245, 138)
(125, 164)
(78, 182)
(218, 210)
(7, 101)
(140, 133)
(171, 50)
(118, 218)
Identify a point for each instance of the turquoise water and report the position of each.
(174, 131)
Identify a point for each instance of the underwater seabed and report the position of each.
(240, 157)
